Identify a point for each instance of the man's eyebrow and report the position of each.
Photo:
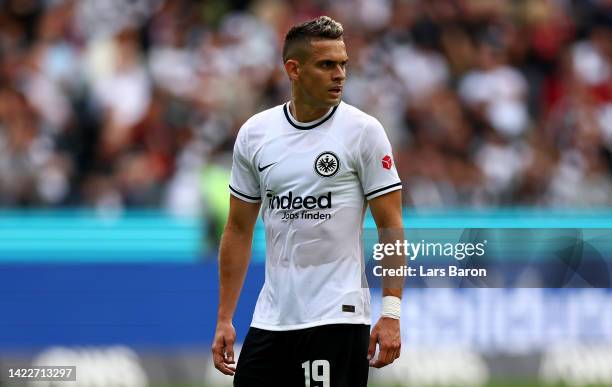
(332, 61)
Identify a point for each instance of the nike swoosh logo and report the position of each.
(261, 169)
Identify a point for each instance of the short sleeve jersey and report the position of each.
(314, 180)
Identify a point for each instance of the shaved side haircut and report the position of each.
(297, 40)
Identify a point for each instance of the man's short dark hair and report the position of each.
(322, 27)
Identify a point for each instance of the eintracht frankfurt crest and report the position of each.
(327, 164)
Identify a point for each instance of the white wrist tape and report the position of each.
(391, 307)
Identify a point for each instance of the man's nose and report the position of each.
(339, 73)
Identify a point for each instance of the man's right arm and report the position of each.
(234, 256)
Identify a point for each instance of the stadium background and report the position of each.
(117, 120)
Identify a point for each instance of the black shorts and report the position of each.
(324, 356)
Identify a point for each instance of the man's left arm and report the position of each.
(387, 212)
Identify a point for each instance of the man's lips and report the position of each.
(336, 89)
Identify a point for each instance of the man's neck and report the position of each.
(306, 113)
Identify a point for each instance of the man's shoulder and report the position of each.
(263, 119)
(254, 130)
(357, 116)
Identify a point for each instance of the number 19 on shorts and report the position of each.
(318, 370)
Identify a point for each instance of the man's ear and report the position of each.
(292, 67)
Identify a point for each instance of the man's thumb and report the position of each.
(372, 346)
(229, 350)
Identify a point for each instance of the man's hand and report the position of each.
(223, 348)
(234, 255)
(386, 333)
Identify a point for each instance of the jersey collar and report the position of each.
(307, 125)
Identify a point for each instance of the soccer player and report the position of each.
(313, 165)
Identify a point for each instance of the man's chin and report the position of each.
(333, 101)
(327, 102)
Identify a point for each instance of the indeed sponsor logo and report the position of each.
(291, 202)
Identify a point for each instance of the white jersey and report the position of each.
(314, 180)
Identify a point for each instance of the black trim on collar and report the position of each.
(286, 111)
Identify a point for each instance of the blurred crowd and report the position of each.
(136, 103)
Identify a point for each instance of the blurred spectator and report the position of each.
(112, 104)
